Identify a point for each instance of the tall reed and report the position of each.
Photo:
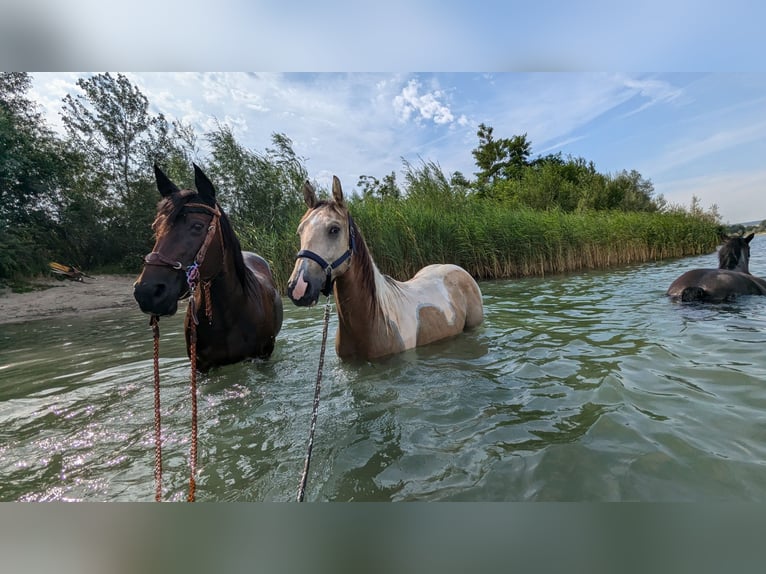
(492, 241)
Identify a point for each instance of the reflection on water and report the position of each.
(583, 387)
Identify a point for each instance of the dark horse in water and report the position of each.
(732, 277)
(235, 304)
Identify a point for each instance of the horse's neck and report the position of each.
(742, 265)
(359, 294)
(227, 295)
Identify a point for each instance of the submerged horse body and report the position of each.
(732, 277)
(377, 315)
(235, 304)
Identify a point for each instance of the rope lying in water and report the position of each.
(317, 388)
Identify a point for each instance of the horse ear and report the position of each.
(337, 192)
(164, 185)
(749, 238)
(204, 186)
(309, 195)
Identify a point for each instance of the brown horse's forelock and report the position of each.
(171, 208)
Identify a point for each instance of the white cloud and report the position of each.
(654, 91)
(425, 106)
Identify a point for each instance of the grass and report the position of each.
(492, 241)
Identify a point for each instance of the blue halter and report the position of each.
(329, 267)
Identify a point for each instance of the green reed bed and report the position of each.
(492, 241)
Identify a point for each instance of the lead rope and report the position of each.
(155, 324)
(317, 388)
(193, 453)
(192, 279)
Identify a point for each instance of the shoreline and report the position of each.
(61, 298)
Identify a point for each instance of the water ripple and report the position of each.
(584, 387)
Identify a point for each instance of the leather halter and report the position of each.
(192, 271)
(330, 267)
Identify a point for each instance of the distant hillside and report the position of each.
(755, 223)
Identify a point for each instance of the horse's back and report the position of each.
(462, 288)
(714, 285)
(261, 269)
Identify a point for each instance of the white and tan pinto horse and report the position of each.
(377, 316)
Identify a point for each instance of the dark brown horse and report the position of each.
(235, 303)
(377, 315)
(732, 277)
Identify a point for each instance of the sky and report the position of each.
(571, 75)
(700, 134)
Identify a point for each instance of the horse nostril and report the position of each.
(159, 290)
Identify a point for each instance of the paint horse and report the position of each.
(732, 277)
(235, 305)
(377, 316)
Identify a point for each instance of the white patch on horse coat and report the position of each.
(401, 301)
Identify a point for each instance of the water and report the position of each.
(587, 387)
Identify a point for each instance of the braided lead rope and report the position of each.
(193, 453)
(314, 412)
(155, 324)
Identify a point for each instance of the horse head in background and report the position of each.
(235, 304)
(732, 277)
(377, 316)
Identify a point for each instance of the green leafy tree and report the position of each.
(110, 124)
(31, 173)
(372, 187)
(504, 158)
(368, 185)
(110, 127)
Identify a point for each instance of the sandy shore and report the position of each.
(61, 298)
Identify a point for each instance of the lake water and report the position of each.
(586, 387)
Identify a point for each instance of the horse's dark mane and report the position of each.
(731, 252)
(232, 245)
(367, 269)
(171, 208)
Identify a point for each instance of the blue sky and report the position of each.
(571, 75)
(700, 134)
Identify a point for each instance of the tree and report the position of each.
(369, 185)
(503, 158)
(29, 153)
(110, 124)
(31, 175)
(110, 128)
(373, 187)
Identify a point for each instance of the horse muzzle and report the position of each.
(301, 292)
(155, 298)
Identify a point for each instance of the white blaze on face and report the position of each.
(300, 287)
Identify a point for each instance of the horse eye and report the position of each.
(334, 230)
(197, 226)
